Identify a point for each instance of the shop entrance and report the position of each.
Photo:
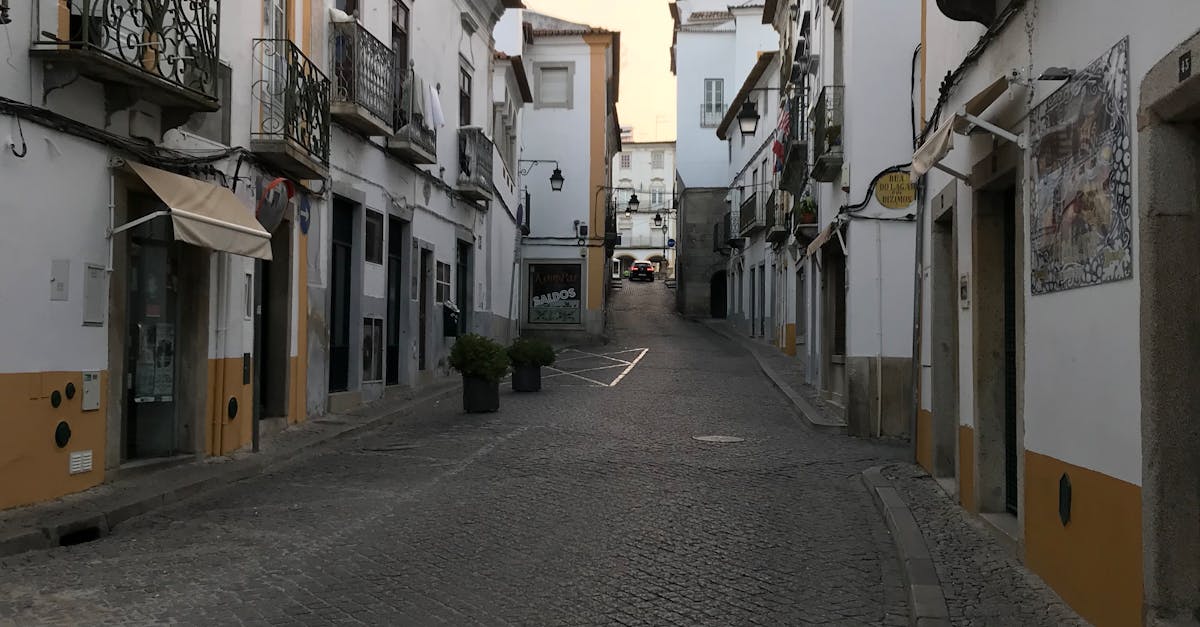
(150, 427)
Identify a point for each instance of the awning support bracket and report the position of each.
(842, 241)
(952, 172)
(1019, 140)
(138, 222)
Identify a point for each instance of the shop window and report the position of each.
(374, 239)
(443, 282)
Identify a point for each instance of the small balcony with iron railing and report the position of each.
(828, 134)
(290, 100)
(749, 218)
(413, 138)
(711, 114)
(474, 163)
(164, 52)
(794, 177)
(363, 69)
(777, 231)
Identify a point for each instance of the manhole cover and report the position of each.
(720, 439)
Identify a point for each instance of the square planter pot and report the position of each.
(527, 378)
(480, 395)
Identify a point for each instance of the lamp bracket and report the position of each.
(533, 163)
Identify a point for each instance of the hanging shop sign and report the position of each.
(895, 190)
(555, 293)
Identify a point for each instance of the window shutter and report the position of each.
(554, 87)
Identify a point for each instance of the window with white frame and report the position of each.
(657, 159)
(626, 161)
(443, 282)
(713, 109)
(658, 194)
(554, 85)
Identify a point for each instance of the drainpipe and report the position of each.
(222, 334)
(879, 357)
(918, 300)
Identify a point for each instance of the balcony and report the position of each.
(794, 177)
(777, 232)
(363, 79)
(164, 52)
(827, 134)
(711, 115)
(474, 164)
(290, 101)
(748, 219)
(414, 138)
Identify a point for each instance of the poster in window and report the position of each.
(164, 359)
(555, 293)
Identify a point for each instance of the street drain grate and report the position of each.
(719, 439)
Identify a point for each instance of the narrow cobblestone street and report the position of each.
(588, 503)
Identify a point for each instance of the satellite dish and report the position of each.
(273, 202)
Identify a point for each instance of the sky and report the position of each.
(647, 98)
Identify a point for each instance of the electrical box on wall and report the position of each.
(91, 392)
(60, 273)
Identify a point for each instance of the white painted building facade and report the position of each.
(647, 170)
(1036, 325)
(571, 126)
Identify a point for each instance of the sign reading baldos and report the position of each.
(555, 293)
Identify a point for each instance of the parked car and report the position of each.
(641, 271)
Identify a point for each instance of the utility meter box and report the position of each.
(91, 391)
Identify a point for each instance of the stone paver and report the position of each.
(983, 582)
(580, 505)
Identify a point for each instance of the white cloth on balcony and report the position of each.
(436, 118)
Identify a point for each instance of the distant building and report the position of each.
(647, 170)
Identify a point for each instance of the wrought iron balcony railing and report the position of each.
(290, 100)
(711, 114)
(748, 218)
(828, 133)
(474, 163)
(364, 76)
(168, 47)
(777, 217)
(414, 136)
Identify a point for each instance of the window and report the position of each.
(349, 6)
(713, 109)
(626, 161)
(374, 239)
(372, 350)
(554, 85)
(415, 292)
(215, 126)
(658, 194)
(657, 160)
(464, 97)
(400, 35)
(443, 282)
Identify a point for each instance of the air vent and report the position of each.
(81, 462)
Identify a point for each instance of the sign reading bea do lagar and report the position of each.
(555, 293)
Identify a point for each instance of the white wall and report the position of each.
(703, 160)
(1081, 405)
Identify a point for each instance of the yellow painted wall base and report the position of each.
(227, 435)
(1095, 561)
(966, 468)
(925, 440)
(32, 467)
(789, 339)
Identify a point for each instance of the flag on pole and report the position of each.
(781, 132)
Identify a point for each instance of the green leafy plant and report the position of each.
(526, 352)
(477, 356)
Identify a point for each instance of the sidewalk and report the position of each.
(975, 578)
(787, 373)
(93, 513)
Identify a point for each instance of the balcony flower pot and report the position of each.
(482, 362)
(528, 357)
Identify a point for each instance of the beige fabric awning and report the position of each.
(821, 239)
(941, 142)
(207, 215)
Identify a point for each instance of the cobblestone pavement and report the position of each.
(582, 505)
(984, 583)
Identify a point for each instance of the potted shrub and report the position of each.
(528, 357)
(482, 363)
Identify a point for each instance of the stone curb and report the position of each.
(105, 514)
(926, 601)
(811, 414)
